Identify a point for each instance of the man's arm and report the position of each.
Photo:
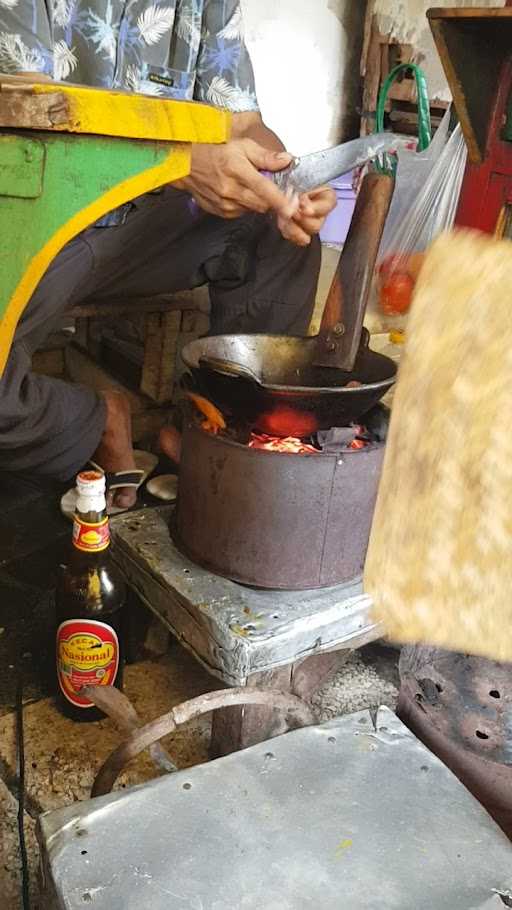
(250, 125)
(226, 180)
(313, 207)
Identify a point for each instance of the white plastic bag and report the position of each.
(424, 204)
(426, 193)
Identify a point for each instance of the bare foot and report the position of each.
(115, 451)
(170, 443)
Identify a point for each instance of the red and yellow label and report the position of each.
(91, 538)
(87, 655)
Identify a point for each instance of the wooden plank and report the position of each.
(311, 674)
(195, 322)
(160, 346)
(367, 35)
(103, 112)
(113, 306)
(479, 12)
(404, 91)
(372, 80)
(473, 45)
(240, 727)
(42, 112)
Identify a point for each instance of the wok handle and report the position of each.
(342, 320)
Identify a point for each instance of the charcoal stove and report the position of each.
(277, 519)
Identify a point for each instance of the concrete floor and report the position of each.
(62, 758)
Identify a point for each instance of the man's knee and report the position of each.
(47, 426)
(279, 293)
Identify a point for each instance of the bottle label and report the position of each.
(91, 538)
(87, 655)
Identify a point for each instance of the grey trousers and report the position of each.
(258, 282)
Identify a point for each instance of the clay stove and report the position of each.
(278, 513)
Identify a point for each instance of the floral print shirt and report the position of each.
(181, 49)
(184, 49)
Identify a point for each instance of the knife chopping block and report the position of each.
(439, 563)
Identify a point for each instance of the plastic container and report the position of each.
(336, 225)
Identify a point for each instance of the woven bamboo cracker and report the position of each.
(439, 563)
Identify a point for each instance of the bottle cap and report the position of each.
(90, 483)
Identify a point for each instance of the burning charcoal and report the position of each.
(336, 438)
(377, 422)
(290, 444)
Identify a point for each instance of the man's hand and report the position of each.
(225, 180)
(309, 217)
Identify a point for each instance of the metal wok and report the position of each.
(288, 396)
(294, 386)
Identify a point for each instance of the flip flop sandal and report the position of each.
(146, 463)
(165, 487)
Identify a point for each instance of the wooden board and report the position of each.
(439, 564)
(473, 45)
(27, 102)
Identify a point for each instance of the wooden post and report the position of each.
(242, 726)
(161, 331)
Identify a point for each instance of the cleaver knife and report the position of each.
(310, 171)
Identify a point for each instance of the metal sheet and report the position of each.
(235, 631)
(341, 815)
(461, 707)
(275, 520)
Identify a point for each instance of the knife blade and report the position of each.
(310, 171)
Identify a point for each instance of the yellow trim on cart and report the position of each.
(175, 166)
(133, 116)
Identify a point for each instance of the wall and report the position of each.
(406, 21)
(306, 58)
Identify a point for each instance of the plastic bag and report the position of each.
(424, 204)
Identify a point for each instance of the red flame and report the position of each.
(286, 421)
(290, 444)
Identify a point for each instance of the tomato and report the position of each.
(396, 293)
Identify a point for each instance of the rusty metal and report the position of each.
(118, 707)
(286, 395)
(296, 714)
(460, 707)
(275, 520)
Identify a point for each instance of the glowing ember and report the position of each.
(294, 445)
(290, 444)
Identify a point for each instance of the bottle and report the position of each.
(89, 605)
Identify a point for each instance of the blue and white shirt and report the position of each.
(182, 49)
